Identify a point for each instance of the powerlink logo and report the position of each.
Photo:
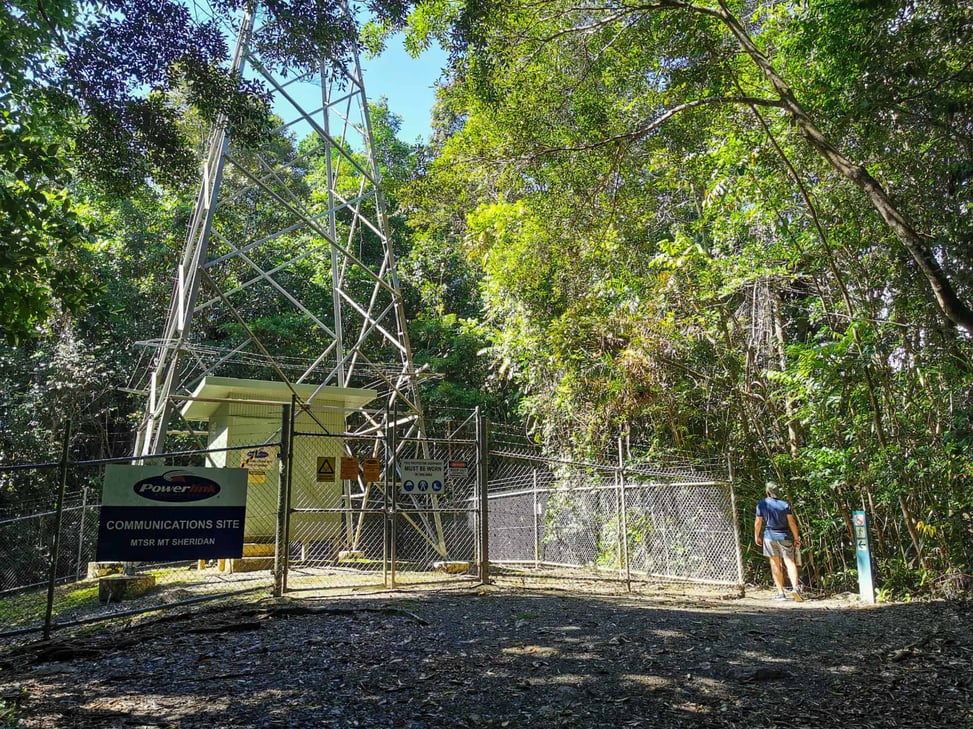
(177, 486)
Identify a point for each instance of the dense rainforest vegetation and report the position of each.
(706, 228)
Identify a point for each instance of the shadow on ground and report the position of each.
(511, 658)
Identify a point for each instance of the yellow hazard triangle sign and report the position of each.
(326, 468)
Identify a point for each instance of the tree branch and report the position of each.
(952, 306)
(644, 131)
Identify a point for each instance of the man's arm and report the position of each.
(758, 530)
(795, 532)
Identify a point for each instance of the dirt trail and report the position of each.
(498, 657)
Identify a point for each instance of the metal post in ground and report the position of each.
(81, 535)
(280, 539)
(736, 526)
(390, 467)
(482, 474)
(392, 517)
(537, 519)
(623, 516)
(62, 473)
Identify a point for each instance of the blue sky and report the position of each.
(408, 83)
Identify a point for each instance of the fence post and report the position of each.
(482, 474)
(536, 517)
(388, 497)
(387, 515)
(624, 517)
(736, 525)
(84, 511)
(281, 543)
(62, 473)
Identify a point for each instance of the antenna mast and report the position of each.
(262, 241)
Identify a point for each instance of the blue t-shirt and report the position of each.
(774, 512)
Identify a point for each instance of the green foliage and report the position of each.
(42, 239)
(616, 232)
(665, 257)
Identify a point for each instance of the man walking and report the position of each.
(775, 529)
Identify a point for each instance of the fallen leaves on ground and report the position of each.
(507, 658)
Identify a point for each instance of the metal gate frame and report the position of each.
(424, 539)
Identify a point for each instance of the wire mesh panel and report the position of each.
(682, 531)
(639, 522)
(337, 533)
(436, 530)
(436, 520)
(86, 590)
(28, 530)
(580, 527)
(355, 518)
(515, 529)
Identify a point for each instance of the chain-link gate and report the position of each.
(355, 518)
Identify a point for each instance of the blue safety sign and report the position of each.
(422, 476)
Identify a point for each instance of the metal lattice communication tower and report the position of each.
(265, 245)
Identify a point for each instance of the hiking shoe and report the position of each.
(780, 596)
(798, 597)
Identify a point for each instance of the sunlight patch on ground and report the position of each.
(761, 657)
(693, 707)
(647, 680)
(658, 633)
(540, 651)
(562, 679)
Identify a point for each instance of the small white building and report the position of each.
(242, 412)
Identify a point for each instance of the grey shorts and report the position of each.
(779, 548)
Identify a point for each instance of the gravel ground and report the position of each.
(507, 657)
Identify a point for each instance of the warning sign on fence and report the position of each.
(459, 469)
(262, 458)
(325, 469)
(349, 469)
(421, 476)
(371, 469)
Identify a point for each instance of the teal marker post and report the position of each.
(866, 590)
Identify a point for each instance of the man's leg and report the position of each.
(778, 573)
(792, 572)
(794, 577)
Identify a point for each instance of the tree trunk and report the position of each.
(956, 310)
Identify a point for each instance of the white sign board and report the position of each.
(421, 476)
(458, 470)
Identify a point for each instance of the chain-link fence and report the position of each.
(28, 528)
(49, 574)
(326, 509)
(356, 518)
(336, 531)
(436, 531)
(630, 522)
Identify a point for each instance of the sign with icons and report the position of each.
(420, 476)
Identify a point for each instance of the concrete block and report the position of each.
(452, 568)
(124, 587)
